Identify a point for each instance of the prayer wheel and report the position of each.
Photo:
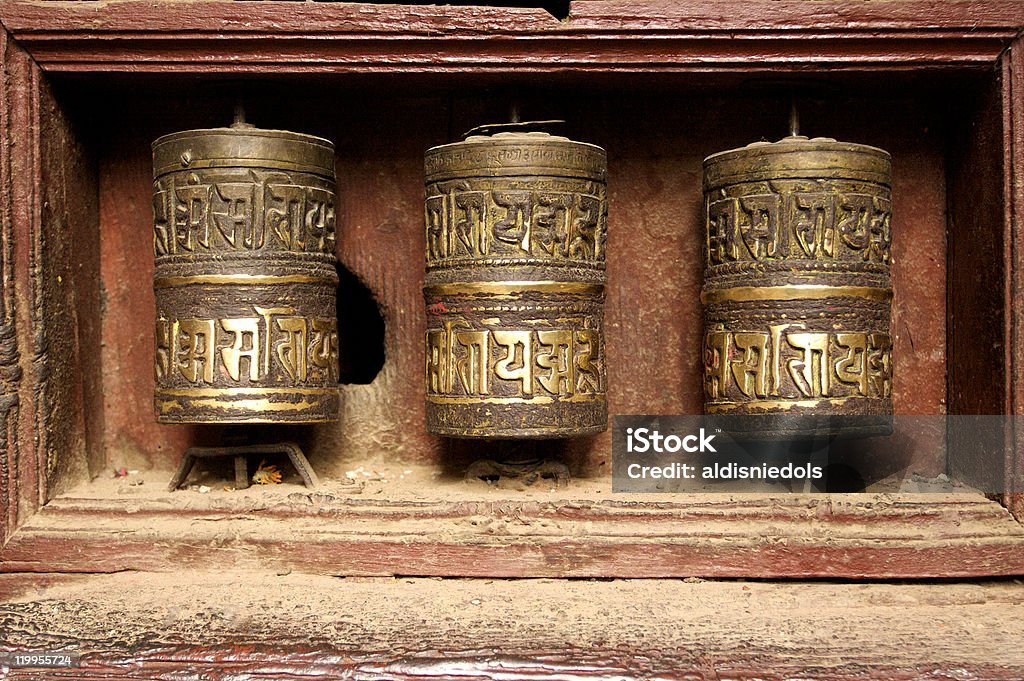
(245, 280)
(514, 287)
(797, 289)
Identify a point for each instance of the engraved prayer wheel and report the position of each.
(797, 290)
(245, 279)
(514, 288)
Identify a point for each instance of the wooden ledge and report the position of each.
(299, 626)
(836, 536)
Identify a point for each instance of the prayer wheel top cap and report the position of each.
(798, 157)
(243, 146)
(512, 154)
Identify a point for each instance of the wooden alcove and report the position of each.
(87, 85)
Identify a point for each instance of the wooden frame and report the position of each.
(50, 296)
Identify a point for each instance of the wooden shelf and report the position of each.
(90, 84)
(468, 530)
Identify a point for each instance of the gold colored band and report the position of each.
(739, 294)
(263, 405)
(233, 420)
(781, 405)
(256, 406)
(540, 399)
(241, 279)
(265, 414)
(216, 392)
(509, 287)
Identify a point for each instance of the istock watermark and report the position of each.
(696, 454)
(641, 440)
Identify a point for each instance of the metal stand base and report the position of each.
(241, 454)
(527, 472)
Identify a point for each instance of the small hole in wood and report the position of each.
(360, 331)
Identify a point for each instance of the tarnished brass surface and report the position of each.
(514, 289)
(245, 277)
(797, 289)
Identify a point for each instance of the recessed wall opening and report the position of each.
(360, 331)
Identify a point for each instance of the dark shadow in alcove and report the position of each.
(459, 454)
(360, 330)
(853, 465)
(219, 471)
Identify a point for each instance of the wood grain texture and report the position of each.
(733, 15)
(655, 144)
(843, 536)
(1013, 188)
(20, 487)
(258, 625)
(126, 271)
(978, 297)
(70, 306)
(10, 372)
(49, 205)
(218, 36)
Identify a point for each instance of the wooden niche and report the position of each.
(660, 86)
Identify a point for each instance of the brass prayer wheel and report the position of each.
(245, 280)
(514, 288)
(797, 290)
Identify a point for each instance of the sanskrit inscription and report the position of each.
(466, 224)
(790, 362)
(270, 343)
(232, 211)
(799, 225)
(467, 361)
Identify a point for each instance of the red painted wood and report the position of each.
(21, 472)
(655, 145)
(1000, 17)
(11, 371)
(159, 17)
(505, 56)
(223, 36)
(848, 538)
(978, 269)
(1013, 135)
(69, 307)
(761, 15)
(49, 330)
(129, 313)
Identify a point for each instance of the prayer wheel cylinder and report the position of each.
(514, 288)
(245, 280)
(797, 289)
